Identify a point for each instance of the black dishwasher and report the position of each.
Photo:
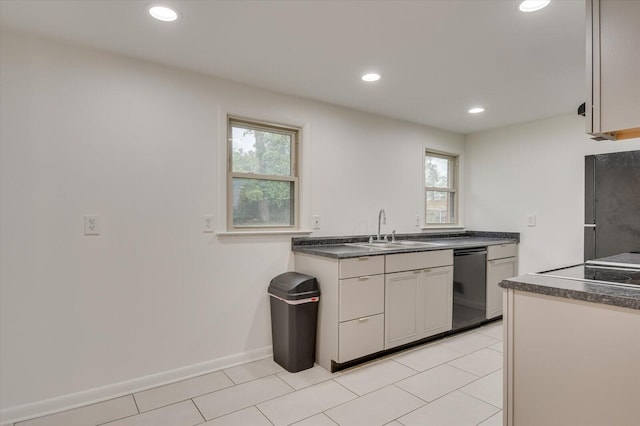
(469, 287)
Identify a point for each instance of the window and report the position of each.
(262, 179)
(440, 184)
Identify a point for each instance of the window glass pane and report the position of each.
(262, 202)
(440, 207)
(260, 151)
(436, 172)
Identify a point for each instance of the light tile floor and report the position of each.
(452, 382)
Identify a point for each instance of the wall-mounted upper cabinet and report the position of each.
(613, 69)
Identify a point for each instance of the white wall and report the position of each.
(153, 298)
(533, 168)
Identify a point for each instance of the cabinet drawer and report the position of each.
(360, 337)
(359, 266)
(424, 259)
(361, 297)
(500, 251)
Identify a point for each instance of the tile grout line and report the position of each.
(338, 405)
(474, 374)
(441, 396)
(437, 365)
(410, 368)
(397, 419)
(253, 405)
(198, 408)
(230, 379)
(324, 413)
(135, 402)
(265, 416)
(233, 385)
(480, 399)
(179, 401)
(307, 386)
(487, 418)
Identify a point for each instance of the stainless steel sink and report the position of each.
(380, 246)
(411, 243)
(395, 245)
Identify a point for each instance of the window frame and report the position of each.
(453, 190)
(293, 177)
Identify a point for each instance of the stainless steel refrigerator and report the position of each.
(612, 204)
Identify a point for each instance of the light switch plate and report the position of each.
(208, 223)
(316, 221)
(531, 220)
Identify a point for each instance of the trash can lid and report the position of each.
(294, 286)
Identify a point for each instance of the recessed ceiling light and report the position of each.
(476, 110)
(533, 5)
(163, 13)
(371, 77)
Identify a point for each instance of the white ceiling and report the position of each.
(437, 57)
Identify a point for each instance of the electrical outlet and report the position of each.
(418, 223)
(92, 225)
(316, 221)
(209, 223)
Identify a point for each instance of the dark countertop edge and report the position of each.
(338, 240)
(597, 294)
(359, 252)
(338, 250)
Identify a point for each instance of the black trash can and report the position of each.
(294, 314)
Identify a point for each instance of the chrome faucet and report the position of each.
(382, 218)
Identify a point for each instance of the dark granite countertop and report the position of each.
(607, 294)
(339, 248)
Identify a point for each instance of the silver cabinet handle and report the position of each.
(363, 258)
(363, 278)
(364, 319)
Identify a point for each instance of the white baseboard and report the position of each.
(74, 400)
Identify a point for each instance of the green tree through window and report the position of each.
(440, 177)
(263, 180)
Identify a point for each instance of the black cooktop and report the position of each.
(627, 276)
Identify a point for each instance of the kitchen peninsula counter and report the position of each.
(587, 291)
(571, 352)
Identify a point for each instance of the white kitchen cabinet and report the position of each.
(569, 362)
(502, 263)
(351, 308)
(613, 66)
(437, 302)
(361, 296)
(418, 260)
(401, 308)
(418, 303)
(360, 337)
(356, 294)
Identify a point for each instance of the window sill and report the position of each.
(232, 234)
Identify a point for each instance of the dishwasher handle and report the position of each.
(469, 252)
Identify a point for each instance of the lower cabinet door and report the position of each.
(498, 270)
(401, 308)
(437, 302)
(360, 337)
